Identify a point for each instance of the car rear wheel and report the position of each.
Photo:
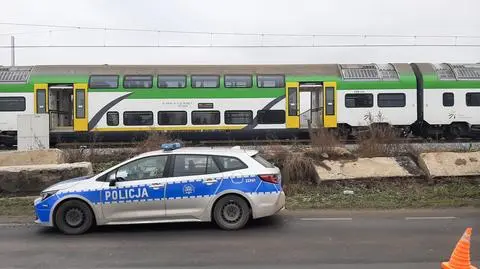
(231, 212)
(74, 217)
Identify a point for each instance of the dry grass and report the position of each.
(152, 142)
(299, 168)
(325, 144)
(91, 153)
(380, 139)
(74, 155)
(276, 154)
(323, 139)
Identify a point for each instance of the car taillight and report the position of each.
(269, 178)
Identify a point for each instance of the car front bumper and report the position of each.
(42, 211)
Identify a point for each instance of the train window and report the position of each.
(473, 99)
(12, 103)
(238, 81)
(205, 117)
(41, 101)
(113, 118)
(359, 100)
(329, 101)
(172, 81)
(238, 117)
(103, 82)
(271, 116)
(172, 117)
(391, 99)
(205, 81)
(448, 99)
(137, 81)
(270, 81)
(292, 102)
(134, 118)
(80, 103)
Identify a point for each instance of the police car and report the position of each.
(226, 185)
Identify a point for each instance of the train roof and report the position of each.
(446, 71)
(346, 72)
(293, 69)
(450, 76)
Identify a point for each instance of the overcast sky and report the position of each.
(364, 17)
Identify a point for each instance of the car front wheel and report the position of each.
(74, 217)
(231, 212)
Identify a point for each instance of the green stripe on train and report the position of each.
(407, 81)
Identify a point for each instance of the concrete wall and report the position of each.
(34, 178)
(379, 167)
(450, 164)
(45, 156)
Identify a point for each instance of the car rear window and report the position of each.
(262, 161)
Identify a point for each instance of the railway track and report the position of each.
(186, 143)
(212, 143)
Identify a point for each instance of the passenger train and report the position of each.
(113, 102)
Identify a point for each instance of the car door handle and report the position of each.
(209, 181)
(157, 185)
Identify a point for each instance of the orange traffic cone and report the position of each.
(460, 258)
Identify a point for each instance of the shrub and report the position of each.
(153, 142)
(323, 139)
(380, 139)
(298, 168)
(275, 154)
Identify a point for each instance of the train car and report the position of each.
(449, 100)
(208, 102)
(378, 94)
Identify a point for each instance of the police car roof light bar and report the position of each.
(170, 146)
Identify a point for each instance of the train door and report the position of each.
(330, 104)
(311, 104)
(40, 98)
(66, 105)
(292, 105)
(80, 102)
(60, 106)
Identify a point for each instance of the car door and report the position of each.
(193, 183)
(138, 192)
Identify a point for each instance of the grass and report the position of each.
(386, 194)
(16, 206)
(304, 190)
(367, 194)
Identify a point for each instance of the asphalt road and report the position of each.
(300, 239)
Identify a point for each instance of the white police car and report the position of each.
(226, 185)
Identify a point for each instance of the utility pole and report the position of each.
(13, 50)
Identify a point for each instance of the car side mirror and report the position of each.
(113, 181)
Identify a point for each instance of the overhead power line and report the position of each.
(235, 33)
(242, 46)
(36, 32)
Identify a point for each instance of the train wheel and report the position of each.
(454, 131)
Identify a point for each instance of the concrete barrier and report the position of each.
(362, 168)
(450, 164)
(31, 157)
(34, 178)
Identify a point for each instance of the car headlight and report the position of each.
(46, 194)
